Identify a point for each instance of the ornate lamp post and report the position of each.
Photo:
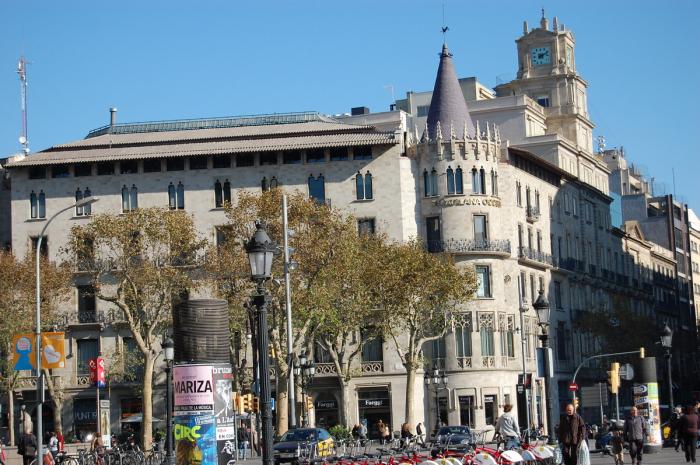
(261, 250)
(666, 343)
(169, 355)
(541, 306)
(304, 370)
(438, 379)
(39, 377)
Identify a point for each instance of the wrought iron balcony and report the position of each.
(469, 246)
(532, 214)
(372, 367)
(535, 255)
(570, 264)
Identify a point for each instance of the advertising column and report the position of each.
(223, 413)
(194, 421)
(646, 399)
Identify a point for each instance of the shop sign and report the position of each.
(85, 411)
(326, 404)
(478, 201)
(374, 403)
(194, 390)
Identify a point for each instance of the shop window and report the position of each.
(491, 409)
(467, 411)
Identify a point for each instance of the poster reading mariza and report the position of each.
(194, 391)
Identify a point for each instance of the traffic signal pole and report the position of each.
(592, 357)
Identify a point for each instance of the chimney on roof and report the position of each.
(359, 111)
(112, 117)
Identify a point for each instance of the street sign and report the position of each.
(573, 387)
(627, 372)
(52, 348)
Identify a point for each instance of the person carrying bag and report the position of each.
(26, 447)
(583, 454)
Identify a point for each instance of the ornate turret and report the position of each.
(448, 109)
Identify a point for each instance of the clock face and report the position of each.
(540, 56)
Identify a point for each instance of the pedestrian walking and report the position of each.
(674, 424)
(243, 442)
(635, 433)
(26, 447)
(507, 427)
(688, 427)
(571, 432)
(618, 447)
(420, 433)
(53, 444)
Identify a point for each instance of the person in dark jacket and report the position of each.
(688, 427)
(635, 433)
(571, 432)
(26, 447)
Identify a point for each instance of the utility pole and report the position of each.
(523, 342)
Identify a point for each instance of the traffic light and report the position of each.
(575, 403)
(614, 377)
(256, 404)
(247, 401)
(641, 352)
(309, 403)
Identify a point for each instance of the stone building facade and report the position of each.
(505, 181)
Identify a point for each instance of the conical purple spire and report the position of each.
(448, 105)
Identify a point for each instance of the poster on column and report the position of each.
(194, 393)
(195, 440)
(223, 412)
(646, 399)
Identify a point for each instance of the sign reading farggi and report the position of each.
(478, 201)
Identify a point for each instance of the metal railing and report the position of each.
(469, 245)
(532, 214)
(535, 255)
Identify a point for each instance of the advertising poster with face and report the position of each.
(223, 412)
(195, 440)
(646, 399)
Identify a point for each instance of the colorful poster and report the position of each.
(224, 413)
(195, 440)
(98, 376)
(194, 391)
(52, 348)
(646, 399)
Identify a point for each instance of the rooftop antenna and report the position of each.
(444, 28)
(22, 72)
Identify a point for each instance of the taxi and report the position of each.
(303, 442)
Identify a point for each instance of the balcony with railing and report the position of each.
(325, 369)
(529, 254)
(372, 367)
(570, 264)
(532, 214)
(470, 246)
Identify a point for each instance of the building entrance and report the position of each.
(326, 407)
(374, 404)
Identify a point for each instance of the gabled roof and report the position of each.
(448, 106)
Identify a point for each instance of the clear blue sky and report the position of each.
(157, 59)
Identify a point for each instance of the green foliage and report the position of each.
(340, 433)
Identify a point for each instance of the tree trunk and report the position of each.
(282, 403)
(55, 386)
(344, 402)
(410, 382)
(11, 415)
(147, 406)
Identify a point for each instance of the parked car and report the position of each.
(307, 442)
(453, 438)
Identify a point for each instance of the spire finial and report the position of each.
(544, 24)
(444, 28)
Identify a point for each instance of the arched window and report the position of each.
(33, 206)
(426, 183)
(227, 191)
(359, 187)
(42, 204)
(125, 198)
(218, 195)
(180, 196)
(264, 184)
(450, 181)
(368, 186)
(459, 181)
(476, 189)
(78, 198)
(134, 197)
(482, 176)
(172, 199)
(433, 182)
(494, 183)
(87, 208)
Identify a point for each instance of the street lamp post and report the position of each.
(169, 355)
(37, 342)
(438, 379)
(304, 370)
(666, 342)
(261, 250)
(541, 305)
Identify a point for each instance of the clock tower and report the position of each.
(547, 74)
